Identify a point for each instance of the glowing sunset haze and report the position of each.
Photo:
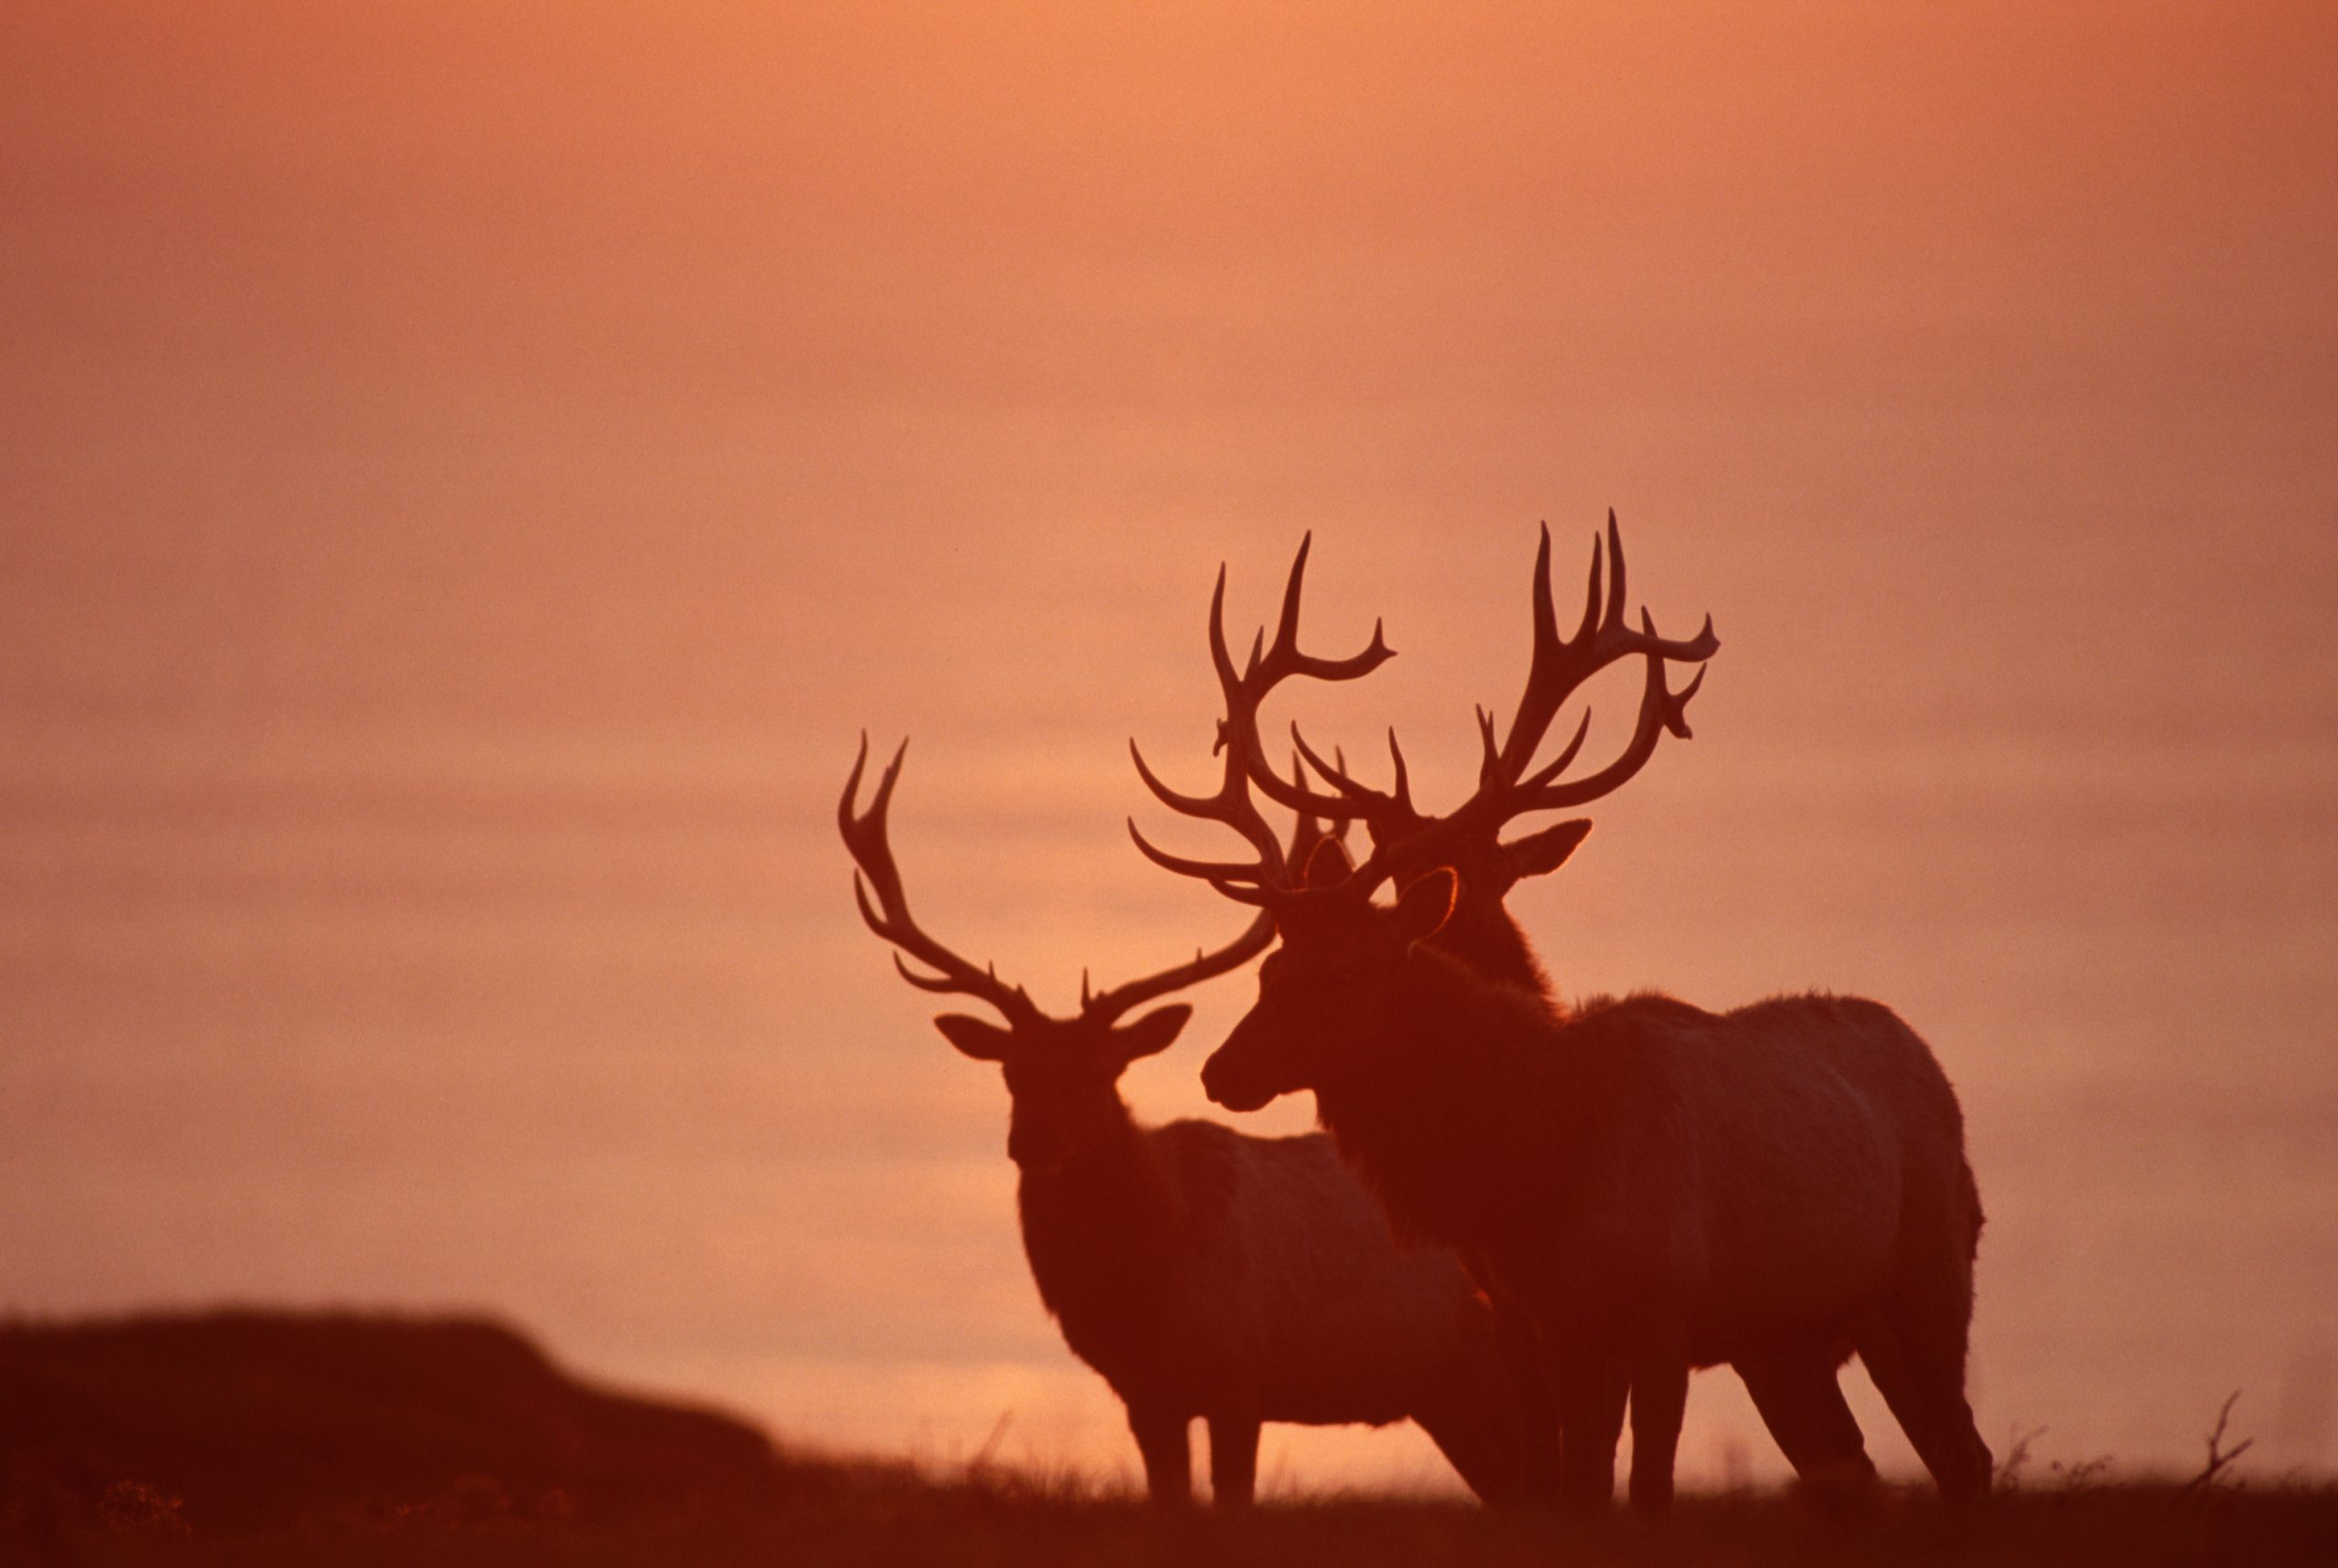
(470, 473)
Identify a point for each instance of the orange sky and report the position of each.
(470, 471)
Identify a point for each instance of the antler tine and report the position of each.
(1287, 620)
(888, 917)
(1207, 870)
(1107, 1006)
(1558, 765)
(1201, 806)
(1547, 672)
(1306, 831)
(1401, 791)
(1284, 658)
(1616, 581)
(1354, 798)
(943, 983)
(1220, 660)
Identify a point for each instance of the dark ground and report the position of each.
(267, 1439)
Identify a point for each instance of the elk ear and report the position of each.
(1423, 907)
(1153, 1033)
(977, 1037)
(1538, 854)
(1327, 865)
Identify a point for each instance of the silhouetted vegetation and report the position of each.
(249, 1438)
(239, 1421)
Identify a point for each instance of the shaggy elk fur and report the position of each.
(1654, 1187)
(1203, 1272)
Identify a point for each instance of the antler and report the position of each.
(1238, 742)
(1559, 668)
(1231, 805)
(1506, 789)
(865, 836)
(1108, 1006)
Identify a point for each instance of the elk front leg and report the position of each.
(1793, 1386)
(1162, 1438)
(1521, 1343)
(1233, 1460)
(1592, 1385)
(1659, 1394)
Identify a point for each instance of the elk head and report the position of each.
(1062, 1073)
(1331, 980)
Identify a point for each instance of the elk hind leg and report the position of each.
(1233, 1460)
(1930, 1310)
(1659, 1394)
(1535, 1388)
(1794, 1389)
(1475, 1424)
(1930, 1408)
(1164, 1440)
(1934, 1335)
(1592, 1387)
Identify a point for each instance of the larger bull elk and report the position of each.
(1655, 1186)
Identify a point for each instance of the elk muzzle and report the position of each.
(1233, 1076)
(1034, 1146)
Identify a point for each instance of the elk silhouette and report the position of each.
(1654, 1187)
(1202, 1271)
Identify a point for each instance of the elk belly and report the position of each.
(1308, 1288)
(1374, 1354)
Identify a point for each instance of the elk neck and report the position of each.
(1105, 1231)
(1483, 936)
(1456, 1091)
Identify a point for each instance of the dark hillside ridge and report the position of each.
(254, 1418)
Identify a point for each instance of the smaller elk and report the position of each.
(1201, 1271)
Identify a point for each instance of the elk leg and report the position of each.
(1233, 1460)
(1794, 1387)
(1937, 1420)
(1934, 1345)
(1473, 1421)
(1521, 1343)
(1162, 1438)
(1659, 1394)
(1591, 1388)
(1929, 1311)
